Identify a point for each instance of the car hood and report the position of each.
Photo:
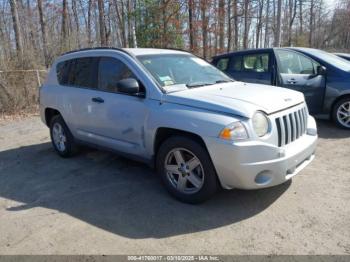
(237, 98)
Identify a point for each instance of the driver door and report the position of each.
(299, 72)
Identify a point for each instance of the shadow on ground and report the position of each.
(116, 194)
(327, 129)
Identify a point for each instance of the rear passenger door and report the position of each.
(78, 79)
(251, 68)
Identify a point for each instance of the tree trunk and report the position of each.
(266, 37)
(65, 28)
(246, 25)
(221, 25)
(120, 23)
(300, 17)
(16, 28)
(235, 19)
(76, 20)
(101, 19)
(311, 23)
(292, 13)
(259, 23)
(190, 23)
(229, 26)
(277, 42)
(89, 23)
(43, 32)
(204, 27)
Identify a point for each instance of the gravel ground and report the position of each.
(100, 203)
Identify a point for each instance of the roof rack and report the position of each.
(97, 48)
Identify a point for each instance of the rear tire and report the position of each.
(61, 138)
(341, 113)
(186, 170)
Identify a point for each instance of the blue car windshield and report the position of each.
(332, 59)
(187, 71)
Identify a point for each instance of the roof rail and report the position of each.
(96, 48)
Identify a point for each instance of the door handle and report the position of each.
(98, 100)
(291, 81)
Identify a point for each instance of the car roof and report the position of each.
(254, 50)
(130, 51)
(246, 51)
(153, 51)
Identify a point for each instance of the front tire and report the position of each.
(341, 113)
(61, 138)
(186, 170)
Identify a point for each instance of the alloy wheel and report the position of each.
(343, 114)
(59, 137)
(184, 170)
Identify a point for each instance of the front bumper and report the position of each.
(253, 165)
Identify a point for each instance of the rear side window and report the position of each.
(256, 63)
(222, 64)
(236, 63)
(83, 72)
(111, 70)
(62, 72)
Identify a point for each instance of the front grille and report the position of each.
(291, 126)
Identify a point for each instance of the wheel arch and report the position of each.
(164, 133)
(50, 113)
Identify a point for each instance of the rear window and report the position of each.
(62, 72)
(256, 63)
(251, 63)
(78, 72)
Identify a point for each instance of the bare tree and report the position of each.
(101, 18)
(277, 41)
(311, 22)
(16, 28)
(43, 31)
(204, 7)
(64, 24)
(246, 23)
(221, 24)
(190, 23)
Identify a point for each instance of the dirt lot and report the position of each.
(99, 203)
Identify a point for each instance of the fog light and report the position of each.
(311, 131)
(263, 178)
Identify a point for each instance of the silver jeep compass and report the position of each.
(198, 127)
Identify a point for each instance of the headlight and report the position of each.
(234, 131)
(260, 124)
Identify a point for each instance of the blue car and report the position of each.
(323, 78)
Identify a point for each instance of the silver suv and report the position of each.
(198, 127)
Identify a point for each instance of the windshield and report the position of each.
(332, 59)
(187, 70)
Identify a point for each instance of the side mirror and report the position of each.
(128, 86)
(321, 70)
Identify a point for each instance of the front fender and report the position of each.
(193, 120)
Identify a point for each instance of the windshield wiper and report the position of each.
(223, 81)
(198, 84)
(191, 85)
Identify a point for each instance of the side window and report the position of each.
(111, 70)
(222, 64)
(236, 63)
(62, 72)
(83, 72)
(256, 63)
(294, 63)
